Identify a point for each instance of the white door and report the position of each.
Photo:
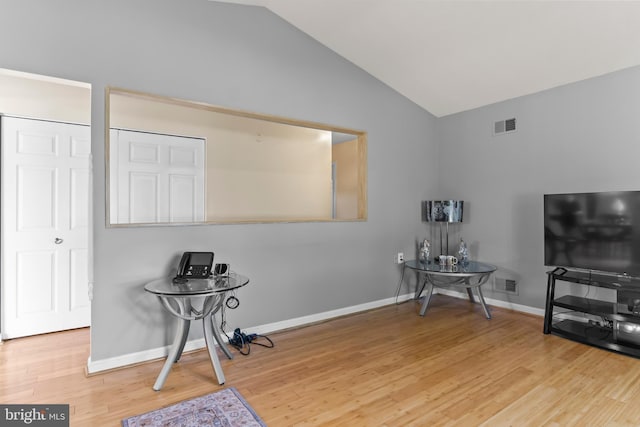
(155, 178)
(45, 217)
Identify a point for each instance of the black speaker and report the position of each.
(221, 270)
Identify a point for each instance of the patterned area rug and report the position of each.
(225, 408)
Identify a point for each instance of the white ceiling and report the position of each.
(452, 56)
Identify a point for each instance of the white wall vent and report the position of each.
(504, 126)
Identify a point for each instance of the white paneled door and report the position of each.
(45, 218)
(155, 178)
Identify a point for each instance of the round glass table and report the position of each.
(178, 297)
(471, 275)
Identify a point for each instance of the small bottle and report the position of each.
(463, 253)
(424, 252)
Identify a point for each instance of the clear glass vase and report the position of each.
(424, 252)
(463, 253)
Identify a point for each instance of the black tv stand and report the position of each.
(614, 326)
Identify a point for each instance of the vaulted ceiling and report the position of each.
(451, 56)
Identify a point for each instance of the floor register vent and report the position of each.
(504, 126)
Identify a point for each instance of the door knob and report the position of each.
(58, 241)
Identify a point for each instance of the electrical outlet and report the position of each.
(400, 258)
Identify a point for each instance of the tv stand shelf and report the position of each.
(585, 305)
(618, 329)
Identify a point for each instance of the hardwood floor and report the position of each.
(385, 367)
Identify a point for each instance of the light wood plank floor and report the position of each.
(385, 367)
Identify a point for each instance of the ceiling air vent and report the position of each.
(504, 126)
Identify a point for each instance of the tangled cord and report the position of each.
(240, 340)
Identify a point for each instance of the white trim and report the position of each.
(498, 303)
(160, 352)
(313, 318)
(43, 78)
(138, 357)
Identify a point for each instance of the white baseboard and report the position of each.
(138, 357)
(318, 317)
(160, 352)
(496, 302)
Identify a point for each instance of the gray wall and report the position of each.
(247, 58)
(575, 138)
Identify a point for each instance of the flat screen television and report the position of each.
(593, 231)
